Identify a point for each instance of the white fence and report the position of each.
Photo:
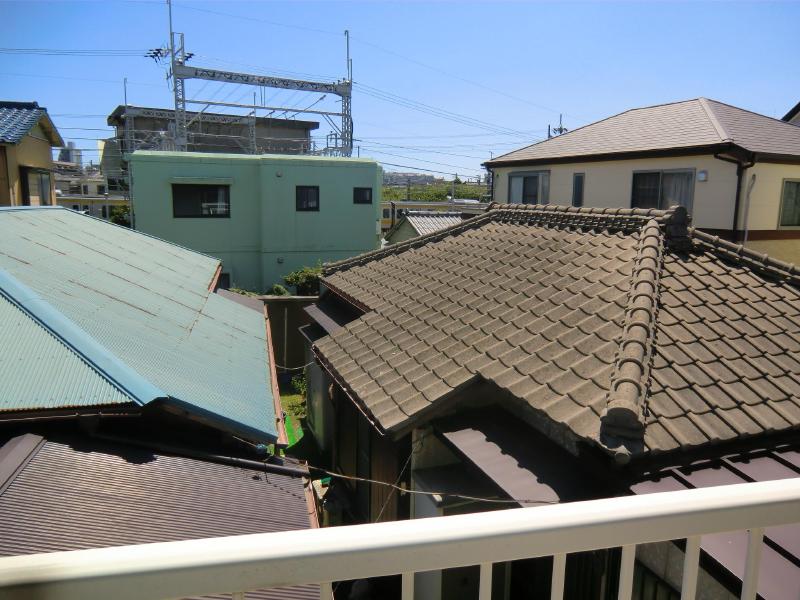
(235, 564)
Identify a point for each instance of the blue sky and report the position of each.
(510, 66)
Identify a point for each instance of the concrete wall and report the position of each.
(609, 184)
(265, 237)
(32, 151)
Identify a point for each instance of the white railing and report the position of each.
(198, 567)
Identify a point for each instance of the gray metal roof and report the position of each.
(18, 118)
(687, 125)
(135, 316)
(429, 222)
(74, 492)
(780, 559)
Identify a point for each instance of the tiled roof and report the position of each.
(429, 222)
(106, 315)
(617, 326)
(18, 118)
(691, 124)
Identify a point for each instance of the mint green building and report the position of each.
(262, 215)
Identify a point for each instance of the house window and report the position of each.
(790, 204)
(85, 190)
(104, 211)
(76, 207)
(362, 195)
(663, 189)
(101, 189)
(201, 200)
(577, 189)
(386, 213)
(36, 184)
(74, 188)
(307, 197)
(529, 188)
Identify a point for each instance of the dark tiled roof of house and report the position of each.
(687, 125)
(18, 118)
(618, 326)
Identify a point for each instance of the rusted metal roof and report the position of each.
(74, 492)
(137, 317)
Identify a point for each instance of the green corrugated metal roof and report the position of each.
(137, 309)
(39, 371)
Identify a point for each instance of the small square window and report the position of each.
(362, 195)
(307, 198)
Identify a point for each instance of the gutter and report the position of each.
(741, 167)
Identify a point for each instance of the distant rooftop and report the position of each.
(116, 118)
(692, 125)
(18, 118)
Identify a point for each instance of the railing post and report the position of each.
(408, 587)
(626, 572)
(750, 582)
(485, 590)
(557, 580)
(691, 566)
(326, 591)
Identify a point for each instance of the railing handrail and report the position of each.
(205, 566)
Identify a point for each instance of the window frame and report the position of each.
(661, 173)
(297, 189)
(362, 189)
(202, 216)
(582, 176)
(543, 190)
(780, 204)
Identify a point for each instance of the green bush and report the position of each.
(305, 280)
(121, 215)
(278, 290)
(300, 384)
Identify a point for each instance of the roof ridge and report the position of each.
(718, 127)
(741, 254)
(751, 112)
(330, 268)
(622, 422)
(96, 356)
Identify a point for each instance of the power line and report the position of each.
(67, 52)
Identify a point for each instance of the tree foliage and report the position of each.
(305, 280)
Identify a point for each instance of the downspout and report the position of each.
(747, 204)
(741, 167)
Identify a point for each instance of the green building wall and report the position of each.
(265, 237)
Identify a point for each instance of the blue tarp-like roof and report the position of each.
(105, 315)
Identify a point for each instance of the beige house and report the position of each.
(27, 136)
(735, 171)
(793, 116)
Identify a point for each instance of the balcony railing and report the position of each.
(236, 564)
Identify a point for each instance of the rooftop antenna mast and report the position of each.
(341, 139)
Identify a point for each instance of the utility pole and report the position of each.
(453, 196)
(408, 189)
